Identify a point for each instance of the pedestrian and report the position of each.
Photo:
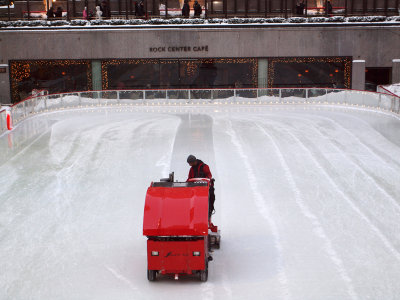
(329, 8)
(142, 11)
(50, 13)
(300, 7)
(99, 13)
(105, 9)
(59, 12)
(197, 9)
(136, 9)
(198, 169)
(186, 9)
(85, 14)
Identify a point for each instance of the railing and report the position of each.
(383, 89)
(200, 97)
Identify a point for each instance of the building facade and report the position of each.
(59, 60)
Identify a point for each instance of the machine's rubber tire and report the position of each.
(204, 273)
(151, 275)
(218, 242)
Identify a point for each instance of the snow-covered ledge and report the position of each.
(200, 21)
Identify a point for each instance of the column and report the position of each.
(358, 75)
(4, 84)
(396, 70)
(263, 73)
(96, 75)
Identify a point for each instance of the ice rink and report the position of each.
(307, 200)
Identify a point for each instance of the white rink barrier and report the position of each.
(3, 121)
(199, 97)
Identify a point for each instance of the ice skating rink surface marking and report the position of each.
(308, 201)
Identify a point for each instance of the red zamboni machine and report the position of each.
(176, 224)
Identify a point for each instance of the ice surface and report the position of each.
(307, 201)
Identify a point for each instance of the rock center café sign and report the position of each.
(179, 49)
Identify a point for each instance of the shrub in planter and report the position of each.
(97, 22)
(336, 19)
(375, 18)
(57, 23)
(297, 20)
(215, 21)
(393, 19)
(355, 19)
(317, 20)
(135, 22)
(275, 20)
(78, 22)
(38, 23)
(157, 21)
(197, 21)
(117, 22)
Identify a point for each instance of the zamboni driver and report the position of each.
(200, 170)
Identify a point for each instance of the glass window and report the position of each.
(179, 73)
(130, 74)
(55, 76)
(310, 72)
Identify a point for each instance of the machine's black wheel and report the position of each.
(217, 242)
(151, 275)
(204, 273)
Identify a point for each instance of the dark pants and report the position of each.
(211, 200)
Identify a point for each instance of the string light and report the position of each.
(191, 67)
(344, 61)
(21, 70)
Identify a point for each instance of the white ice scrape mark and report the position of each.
(207, 290)
(259, 201)
(379, 233)
(121, 278)
(226, 285)
(317, 227)
(165, 160)
(368, 177)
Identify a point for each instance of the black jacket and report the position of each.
(197, 9)
(185, 10)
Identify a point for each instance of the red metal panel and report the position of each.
(176, 211)
(176, 256)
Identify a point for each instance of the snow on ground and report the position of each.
(394, 88)
(307, 201)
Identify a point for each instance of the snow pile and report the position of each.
(183, 21)
(394, 88)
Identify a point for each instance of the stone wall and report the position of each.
(378, 46)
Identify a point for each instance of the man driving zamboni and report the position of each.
(200, 170)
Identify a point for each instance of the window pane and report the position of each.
(310, 72)
(55, 76)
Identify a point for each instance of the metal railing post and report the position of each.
(280, 95)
